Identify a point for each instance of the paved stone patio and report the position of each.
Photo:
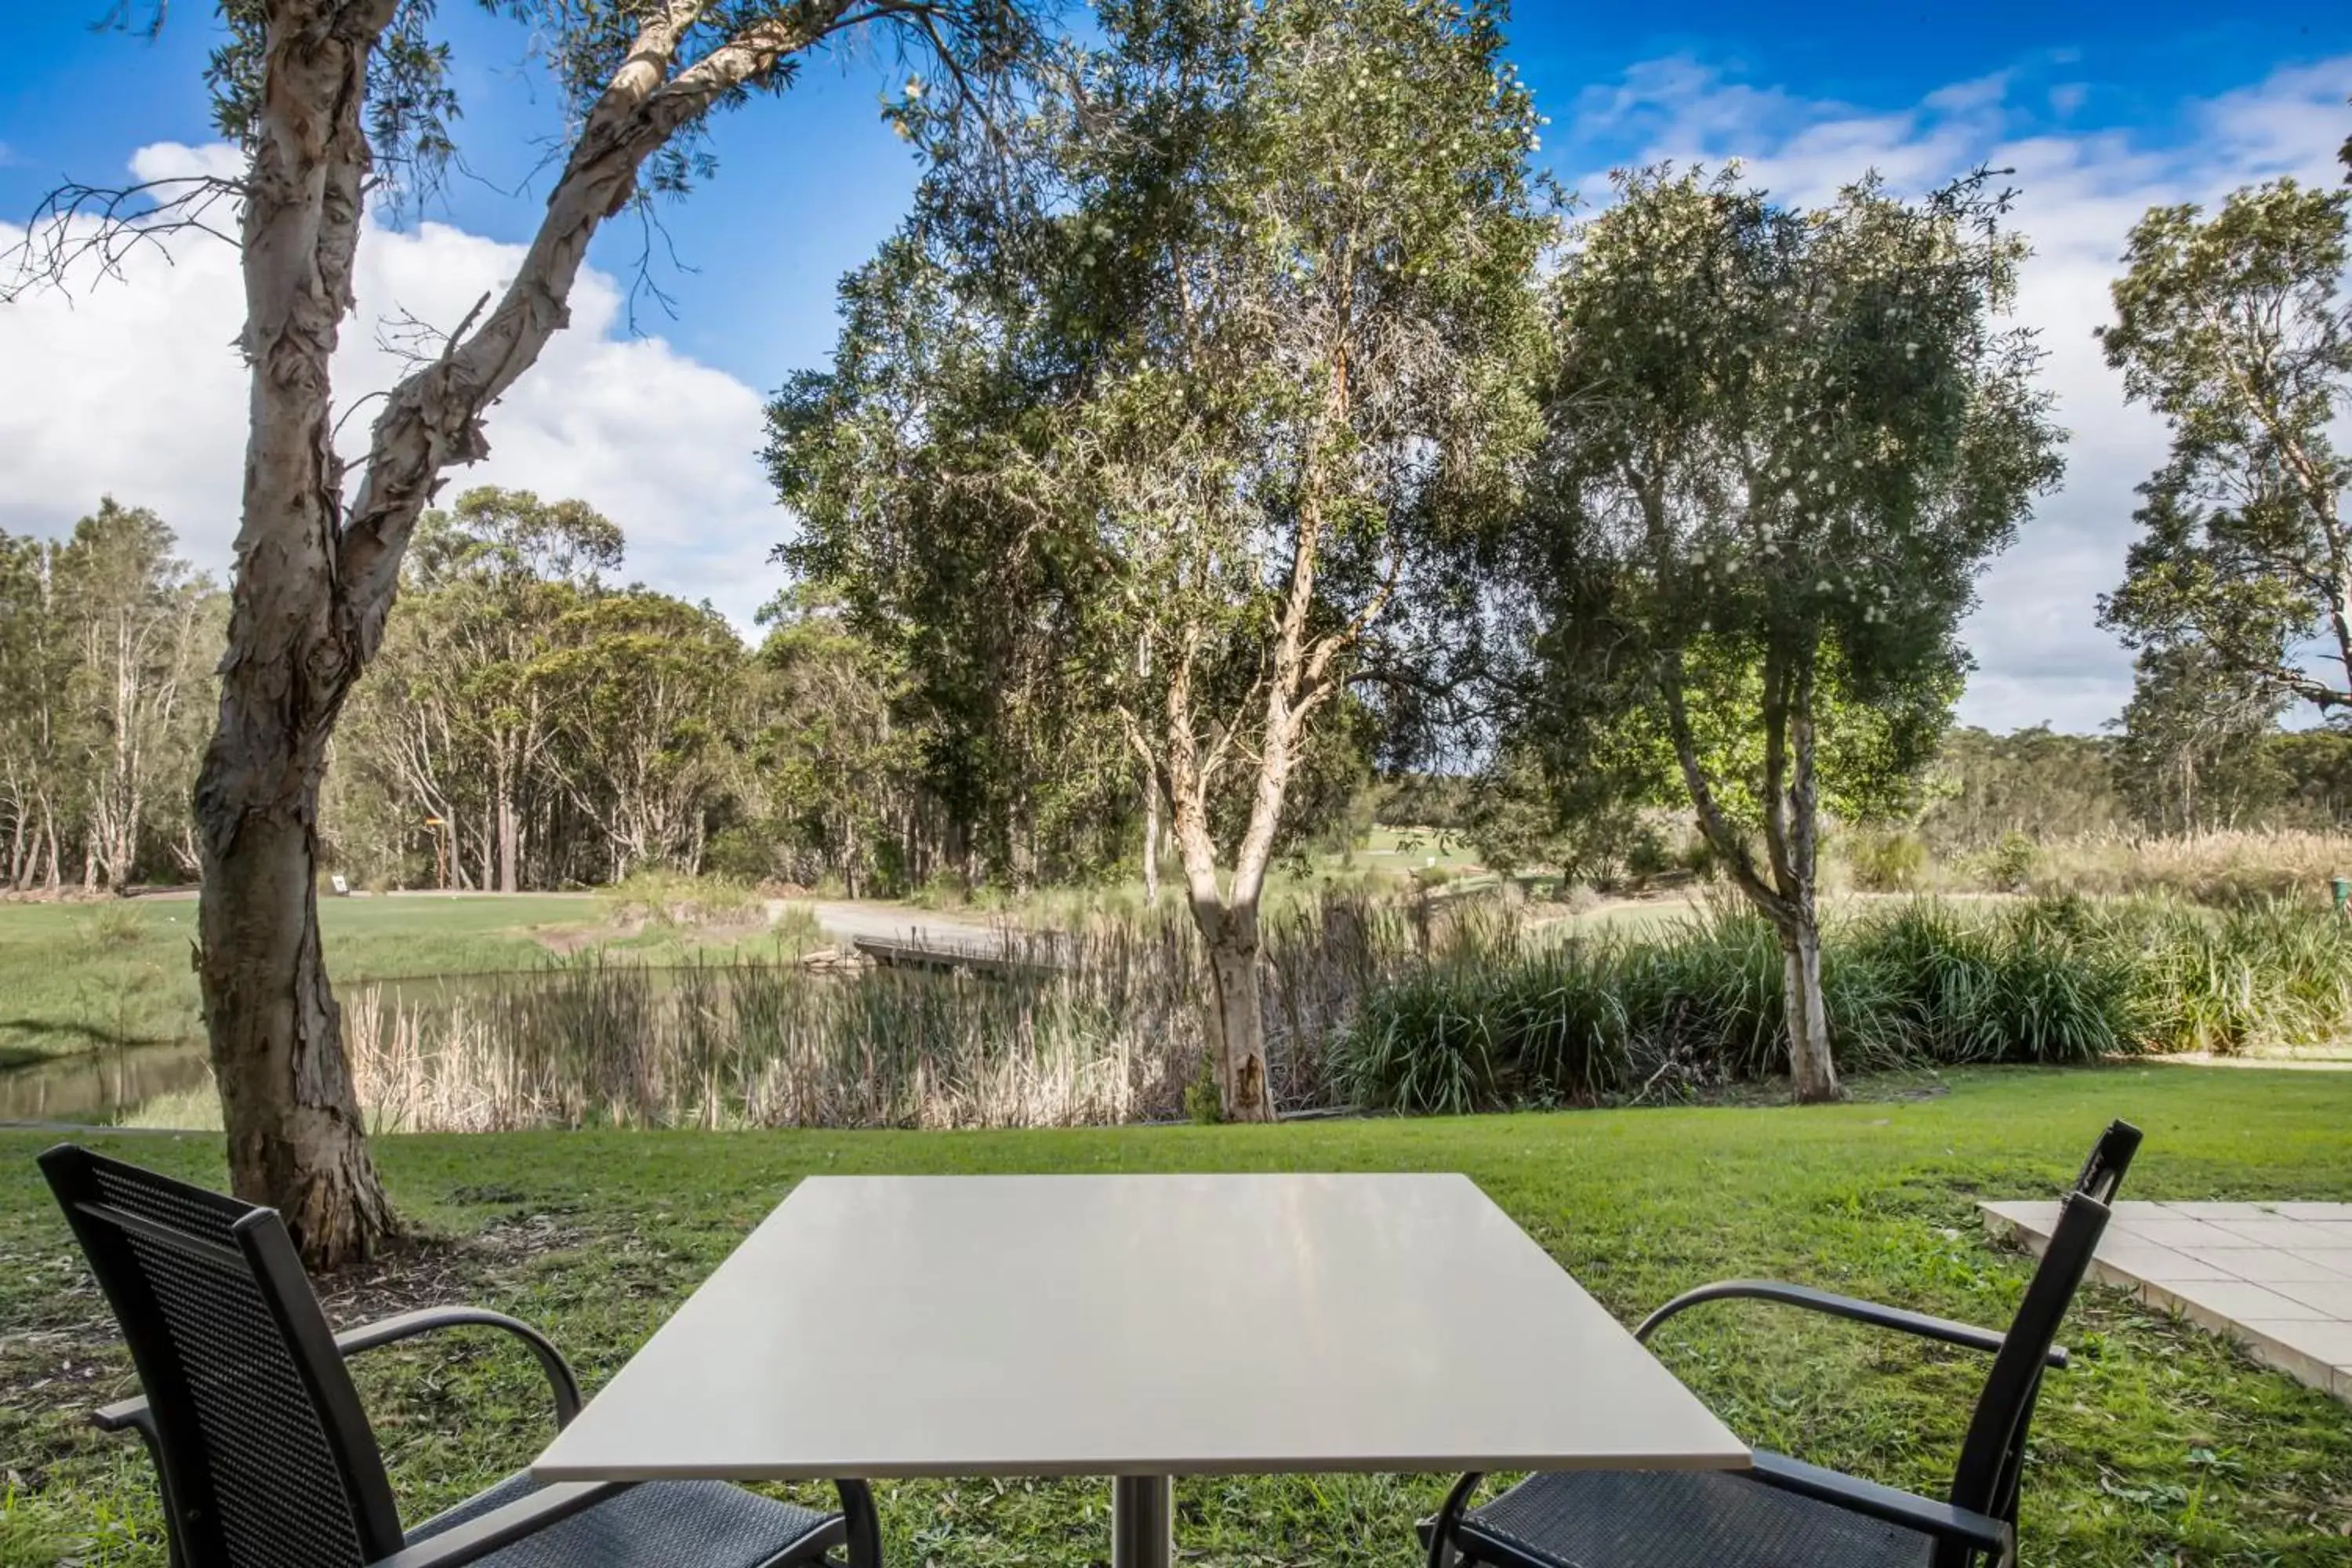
(2276, 1277)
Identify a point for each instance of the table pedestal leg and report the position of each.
(1142, 1522)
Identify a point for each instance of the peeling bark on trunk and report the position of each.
(314, 583)
(1243, 1086)
(1813, 1078)
(295, 1138)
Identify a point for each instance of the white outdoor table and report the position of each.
(1139, 1327)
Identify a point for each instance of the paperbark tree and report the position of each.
(328, 98)
(1783, 444)
(1304, 239)
(2236, 329)
(1258, 295)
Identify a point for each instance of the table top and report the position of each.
(1137, 1325)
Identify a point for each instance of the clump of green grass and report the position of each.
(2051, 981)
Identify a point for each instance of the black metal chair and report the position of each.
(266, 1459)
(1785, 1513)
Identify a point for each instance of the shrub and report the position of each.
(114, 925)
(665, 898)
(1888, 862)
(2010, 865)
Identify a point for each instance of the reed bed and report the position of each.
(1103, 1025)
(2224, 869)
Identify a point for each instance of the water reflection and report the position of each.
(98, 1086)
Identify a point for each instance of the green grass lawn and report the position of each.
(75, 977)
(2160, 1446)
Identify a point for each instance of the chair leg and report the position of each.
(862, 1523)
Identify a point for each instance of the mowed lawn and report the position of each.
(2162, 1444)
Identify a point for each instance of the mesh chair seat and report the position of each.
(662, 1524)
(1623, 1519)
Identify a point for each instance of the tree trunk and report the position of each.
(296, 1142)
(1812, 1077)
(1152, 843)
(1237, 1021)
(509, 829)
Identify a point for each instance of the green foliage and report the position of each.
(2234, 328)
(529, 725)
(665, 898)
(1888, 861)
(2053, 981)
(1125, 452)
(112, 927)
(1411, 799)
(1785, 441)
(2010, 864)
(2033, 782)
(1781, 445)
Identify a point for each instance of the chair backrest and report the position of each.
(1992, 1456)
(2111, 1156)
(267, 1457)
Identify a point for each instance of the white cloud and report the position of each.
(2040, 655)
(133, 387)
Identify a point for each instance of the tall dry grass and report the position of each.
(2223, 868)
(1102, 1025)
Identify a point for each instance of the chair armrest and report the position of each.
(501, 1527)
(1926, 1327)
(1437, 1531)
(566, 1386)
(132, 1415)
(1943, 1521)
(560, 1382)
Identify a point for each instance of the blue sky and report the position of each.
(2103, 108)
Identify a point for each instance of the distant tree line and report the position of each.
(2152, 776)
(532, 724)
(106, 641)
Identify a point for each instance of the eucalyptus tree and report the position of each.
(334, 101)
(2195, 750)
(2235, 328)
(136, 616)
(649, 697)
(1783, 442)
(1255, 303)
(35, 724)
(963, 588)
(509, 567)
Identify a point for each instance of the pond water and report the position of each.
(99, 1087)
